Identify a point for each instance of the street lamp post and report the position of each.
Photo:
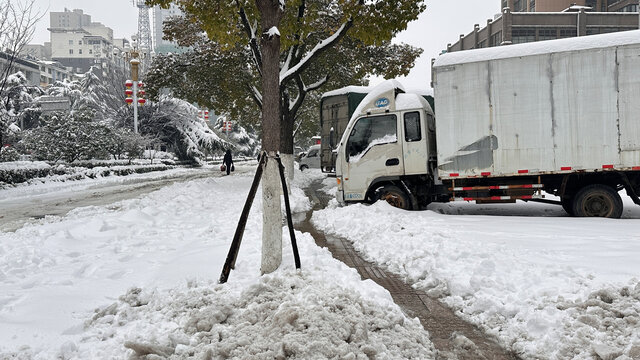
(134, 76)
(133, 55)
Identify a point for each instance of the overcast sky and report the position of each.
(441, 24)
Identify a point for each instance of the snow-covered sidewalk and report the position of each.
(547, 285)
(138, 277)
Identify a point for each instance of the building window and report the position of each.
(49, 70)
(525, 35)
(630, 8)
(70, 51)
(605, 30)
(532, 5)
(567, 33)
(79, 51)
(90, 51)
(496, 39)
(70, 42)
(79, 42)
(547, 34)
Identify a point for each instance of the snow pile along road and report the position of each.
(547, 287)
(147, 265)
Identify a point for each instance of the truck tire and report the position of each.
(303, 167)
(598, 201)
(394, 196)
(567, 205)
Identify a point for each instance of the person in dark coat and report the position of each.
(228, 161)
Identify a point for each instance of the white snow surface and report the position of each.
(348, 89)
(547, 285)
(273, 31)
(24, 165)
(540, 47)
(138, 277)
(411, 102)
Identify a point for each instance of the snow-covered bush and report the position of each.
(20, 171)
(176, 123)
(26, 171)
(69, 137)
(245, 142)
(8, 153)
(17, 98)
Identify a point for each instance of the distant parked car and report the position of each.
(312, 159)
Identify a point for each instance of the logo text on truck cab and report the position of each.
(382, 102)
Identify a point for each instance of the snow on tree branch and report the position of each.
(287, 74)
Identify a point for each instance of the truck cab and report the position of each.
(390, 140)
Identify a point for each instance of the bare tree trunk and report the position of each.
(271, 14)
(286, 146)
(286, 140)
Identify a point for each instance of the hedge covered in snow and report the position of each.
(16, 172)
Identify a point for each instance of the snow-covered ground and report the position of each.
(547, 285)
(138, 277)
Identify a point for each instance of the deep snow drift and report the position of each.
(547, 285)
(136, 277)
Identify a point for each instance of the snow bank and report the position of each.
(136, 277)
(547, 287)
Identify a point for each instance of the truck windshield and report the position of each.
(371, 131)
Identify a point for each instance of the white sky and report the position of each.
(441, 24)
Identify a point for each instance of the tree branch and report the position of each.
(321, 47)
(251, 34)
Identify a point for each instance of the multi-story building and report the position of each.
(535, 20)
(560, 5)
(78, 43)
(36, 51)
(160, 45)
(52, 71)
(29, 68)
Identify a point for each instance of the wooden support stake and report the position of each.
(230, 263)
(294, 244)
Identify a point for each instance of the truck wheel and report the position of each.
(394, 196)
(567, 205)
(599, 201)
(303, 167)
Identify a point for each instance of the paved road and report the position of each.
(453, 337)
(17, 211)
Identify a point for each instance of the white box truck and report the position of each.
(560, 116)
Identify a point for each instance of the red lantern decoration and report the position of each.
(128, 100)
(140, 85)
(128, 83)
(141, 93)
(128, 92)
(142, 101)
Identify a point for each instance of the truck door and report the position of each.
(372, 151)
(415, 143)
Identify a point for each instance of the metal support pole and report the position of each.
(135, 106)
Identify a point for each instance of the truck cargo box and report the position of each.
(544, 107)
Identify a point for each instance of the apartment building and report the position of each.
(536, 20)
(78, 43)
(160, 45)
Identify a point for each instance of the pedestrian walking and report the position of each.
(228, 161)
